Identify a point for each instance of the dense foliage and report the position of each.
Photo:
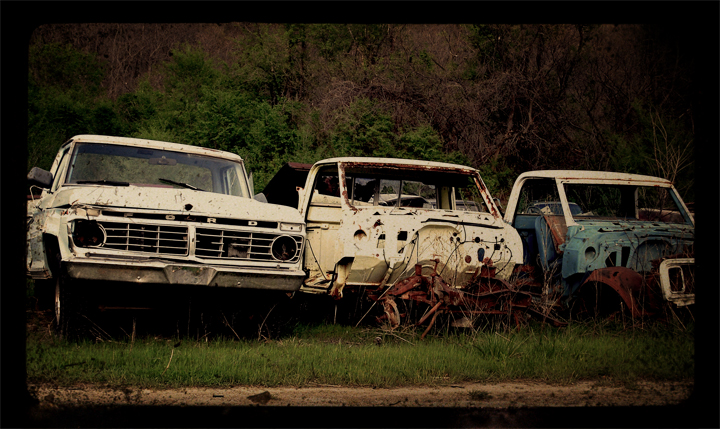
(501, 98)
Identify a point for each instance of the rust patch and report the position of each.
(344, 193)
(391, 312)
(481, 185)
(485, 193)
(558, 230)
(626, 282)
(485, 295)
(486, 271)
(416, 167)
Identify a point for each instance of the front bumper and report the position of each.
(153, 271)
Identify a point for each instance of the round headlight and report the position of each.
(284, 248)
(88, 233)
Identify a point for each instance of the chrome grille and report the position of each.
(146, 238)
(227, 244)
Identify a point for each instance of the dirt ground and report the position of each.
(497, 395)
(507, 404)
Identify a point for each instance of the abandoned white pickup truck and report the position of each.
(603, 242)
(424, 234)
(155, 213)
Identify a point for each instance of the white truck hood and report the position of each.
(174, 200)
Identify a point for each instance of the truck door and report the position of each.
(323, 221)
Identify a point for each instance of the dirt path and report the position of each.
(498, 395)
(595, 403)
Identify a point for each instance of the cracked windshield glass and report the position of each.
(126, 165)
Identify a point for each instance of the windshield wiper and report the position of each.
(103, 182)
(184, 185)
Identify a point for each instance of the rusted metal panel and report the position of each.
(626, 283)
(426, 254)
(488, 296)
(617, 239)
(423, 237)
(558, 229)
(607, 228)
(397, 163)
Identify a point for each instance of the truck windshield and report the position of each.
(392, 187)
(624, 202)
(108, 164)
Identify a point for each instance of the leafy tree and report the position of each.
(136, 107)
(62, 68)
(188, 73)
(363, 131)
(367, 130)
(64, 99)
(504, 98)
(264, 66)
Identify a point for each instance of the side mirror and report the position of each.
(39, 177)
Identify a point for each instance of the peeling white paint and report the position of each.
(146, 228)
(365, 245)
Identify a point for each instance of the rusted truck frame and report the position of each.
(629, 248)
(411, 233)
(118, 210)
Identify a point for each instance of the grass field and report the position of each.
(327, 354)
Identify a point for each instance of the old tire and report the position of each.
(44, 294)
(66, 308)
